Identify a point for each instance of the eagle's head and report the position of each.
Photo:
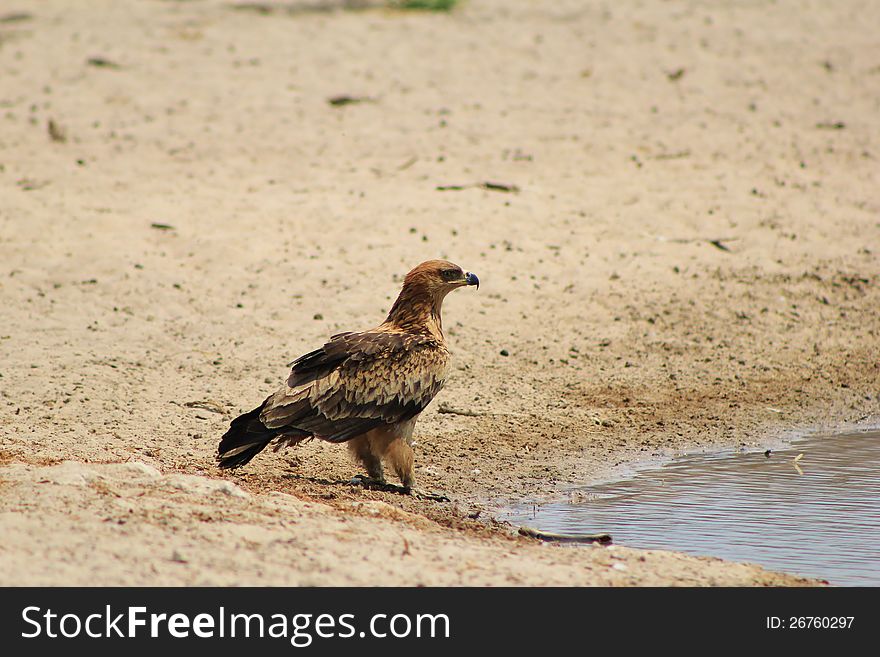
(424, 289)
(439, 278)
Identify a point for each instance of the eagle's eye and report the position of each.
(450, 274)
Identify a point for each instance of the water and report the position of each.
(818, 515)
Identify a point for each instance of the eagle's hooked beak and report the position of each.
(472, 279)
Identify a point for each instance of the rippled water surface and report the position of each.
(817, 514)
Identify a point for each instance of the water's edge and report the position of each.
(770, 515)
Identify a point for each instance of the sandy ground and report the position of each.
(686, 259)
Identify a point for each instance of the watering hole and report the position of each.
(811, 508)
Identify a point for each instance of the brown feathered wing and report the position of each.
(354, 383)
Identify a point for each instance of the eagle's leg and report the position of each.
(361, 450)
(399, 455)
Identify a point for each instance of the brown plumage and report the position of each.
(366, 389)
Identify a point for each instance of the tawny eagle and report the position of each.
(366, 389)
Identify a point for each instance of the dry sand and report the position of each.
(688, 261)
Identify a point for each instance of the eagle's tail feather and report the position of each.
(247, 436)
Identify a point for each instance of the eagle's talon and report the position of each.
(426, 495)
(366, 482)
(371, 483)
